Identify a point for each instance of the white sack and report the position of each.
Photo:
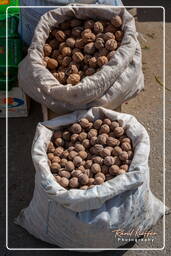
(116, 82)
(85, 218)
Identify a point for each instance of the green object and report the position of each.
(9, 3)
(15, 52)
(14, 43)
(12, 78)
(13, 20)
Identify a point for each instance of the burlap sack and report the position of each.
(86, 218)
(118, 81)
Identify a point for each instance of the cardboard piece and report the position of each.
(18, 103)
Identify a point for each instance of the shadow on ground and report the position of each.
(151, 14)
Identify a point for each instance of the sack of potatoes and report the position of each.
(82, 57)
(92, 177)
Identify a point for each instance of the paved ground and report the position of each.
(147, 107)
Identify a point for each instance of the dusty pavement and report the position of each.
(147, 107)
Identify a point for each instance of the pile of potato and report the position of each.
(79, 48)
(88, 153)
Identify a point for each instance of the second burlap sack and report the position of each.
(89, 218)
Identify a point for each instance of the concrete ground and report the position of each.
(147, 107)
